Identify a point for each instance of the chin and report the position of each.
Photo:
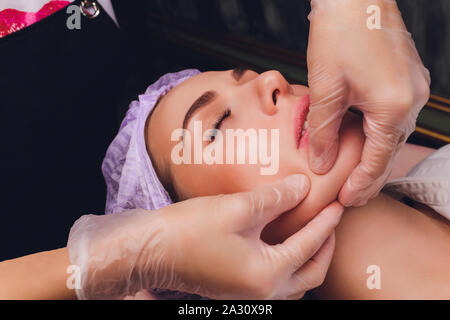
(324, 188)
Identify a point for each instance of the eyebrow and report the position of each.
(209, 96)
(202, 101)
(238, 72)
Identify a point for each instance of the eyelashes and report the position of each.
(218, 124)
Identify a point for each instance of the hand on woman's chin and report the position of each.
(324, 188)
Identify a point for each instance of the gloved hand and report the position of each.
(378, 71)
(209, 246)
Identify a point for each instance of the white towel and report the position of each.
(428, 182)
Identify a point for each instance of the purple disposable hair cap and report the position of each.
(131, 179)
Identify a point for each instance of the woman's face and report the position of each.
(244, 99)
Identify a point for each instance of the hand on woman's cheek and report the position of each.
(251, 101)
(325, 188)
(204, 180)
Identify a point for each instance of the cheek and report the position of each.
(203, 180)
(324, 188)
(206, 180)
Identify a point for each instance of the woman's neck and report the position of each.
(410, 246)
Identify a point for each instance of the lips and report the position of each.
(300, 124)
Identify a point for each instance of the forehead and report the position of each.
(188, 91)
(174, 105)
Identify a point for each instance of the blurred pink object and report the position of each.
(12, 20)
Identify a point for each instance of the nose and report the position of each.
(271, 85)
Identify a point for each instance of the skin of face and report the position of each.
(250, 101)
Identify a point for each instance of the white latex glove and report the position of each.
(208, 246)
(378, 71)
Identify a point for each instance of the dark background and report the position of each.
(283, 23)
(170, 35)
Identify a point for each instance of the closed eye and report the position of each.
(218, 124)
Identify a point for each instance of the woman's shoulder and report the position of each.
(407, 157)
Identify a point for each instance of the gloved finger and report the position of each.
(141, 295)
(312, 274)
(368, 177)
(324, 120)
(259, 207)
(300, 247)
